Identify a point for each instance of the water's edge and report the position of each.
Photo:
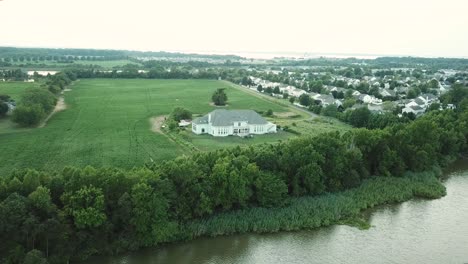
(361, 219)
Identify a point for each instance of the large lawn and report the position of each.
(107, 124)
(15, 89)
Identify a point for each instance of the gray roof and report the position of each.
(390, 92)
(429, 96)
(419, 101)
(223, 117)
(417, 107)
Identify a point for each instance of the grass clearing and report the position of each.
(15, 89)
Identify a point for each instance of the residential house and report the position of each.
(387, 93)
(327, 99)
(368, 99)
(222, 123)
(415, 109)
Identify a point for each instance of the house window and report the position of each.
(239, 124)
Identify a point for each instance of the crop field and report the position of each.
(106, 123)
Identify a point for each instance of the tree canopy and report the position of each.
(219, 97)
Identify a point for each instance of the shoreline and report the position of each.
(313, 212)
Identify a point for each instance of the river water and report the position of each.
(417, 231)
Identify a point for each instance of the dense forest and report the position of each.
(53, 217)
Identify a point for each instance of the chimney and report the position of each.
(209, 118)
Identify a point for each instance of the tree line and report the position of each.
(36, 103)
(78, 212)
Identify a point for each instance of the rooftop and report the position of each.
(223, 117)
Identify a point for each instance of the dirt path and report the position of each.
(60, 106)
(156, 123)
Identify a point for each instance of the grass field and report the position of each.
(15, 89)
(106, 123)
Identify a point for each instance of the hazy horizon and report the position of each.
(363, 27)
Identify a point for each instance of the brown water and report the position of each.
(418, 231)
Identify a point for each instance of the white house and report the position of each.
(368, 99)
(296, 92)
(221, 123)
(415, 109)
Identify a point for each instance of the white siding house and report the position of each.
(221, 123)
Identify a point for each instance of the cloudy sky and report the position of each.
(383, 27)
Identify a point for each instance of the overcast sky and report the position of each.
(396, 27)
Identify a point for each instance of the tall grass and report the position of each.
(324, 210)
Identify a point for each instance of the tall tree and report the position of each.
(219, 97)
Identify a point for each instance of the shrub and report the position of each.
(270, 190)
(180, 113)
(28, 115)
(3, 108)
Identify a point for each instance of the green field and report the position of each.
(15, 89)
(107, 123)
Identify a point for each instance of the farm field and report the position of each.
(106, 123)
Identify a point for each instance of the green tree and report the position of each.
(330, 110)
(35, 257)
(305, 100)
(31, 181)
(180, 113)
(349, 102)
(38, 96)
(316, 87)
(41, 200)
(433, 83)
(219, 97)
(433, 107)
(359, 117)
(292, 99)
(150, 215)
(270, 190)
(86, 206)
(3, 108)
(28, 115)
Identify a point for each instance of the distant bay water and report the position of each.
(295, 55)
